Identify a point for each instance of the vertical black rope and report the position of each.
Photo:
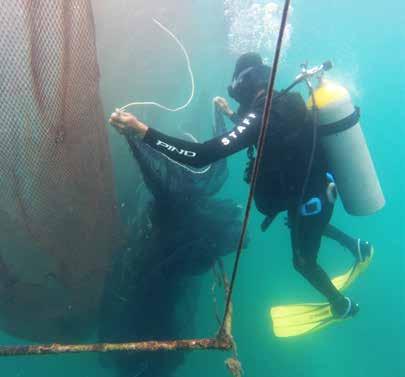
(315, 122)
(260, 149)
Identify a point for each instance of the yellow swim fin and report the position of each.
(294, 320)
(342, 282)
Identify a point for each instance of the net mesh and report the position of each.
(58, 217)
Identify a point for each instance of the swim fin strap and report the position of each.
(342, 282)
(295, 320)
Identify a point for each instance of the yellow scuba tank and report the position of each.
(346, 149)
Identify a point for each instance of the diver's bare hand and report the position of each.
(222, 104)
(123, 121)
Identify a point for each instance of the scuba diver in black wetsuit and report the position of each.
(282, 173)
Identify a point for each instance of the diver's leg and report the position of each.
(306, 234)
(359, 248)
(341, 237)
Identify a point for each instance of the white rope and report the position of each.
(189, 70)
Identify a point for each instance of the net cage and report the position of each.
(59, 221)
(64, 272)
(58, 217)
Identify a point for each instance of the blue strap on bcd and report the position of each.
(312, 207)
(330, 177)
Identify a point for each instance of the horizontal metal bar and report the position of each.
(223, 343)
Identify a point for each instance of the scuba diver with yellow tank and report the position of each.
(311, 149)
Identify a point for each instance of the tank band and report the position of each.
(341, 125)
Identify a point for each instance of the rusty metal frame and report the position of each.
(222, 342)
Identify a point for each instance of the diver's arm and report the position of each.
(197, 155)
(241, 136)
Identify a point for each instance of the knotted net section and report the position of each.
(58, 217)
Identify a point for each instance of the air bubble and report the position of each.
(254, 26)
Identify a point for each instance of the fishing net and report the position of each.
(178, 234)
(57, 213)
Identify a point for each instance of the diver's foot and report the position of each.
(344, 308)
(363, 250)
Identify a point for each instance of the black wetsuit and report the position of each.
(281, 177)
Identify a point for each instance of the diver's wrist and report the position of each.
(138, 128)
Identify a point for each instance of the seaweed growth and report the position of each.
(179, 233)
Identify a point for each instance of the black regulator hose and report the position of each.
(314, 142)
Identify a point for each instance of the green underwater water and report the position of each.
(365, 42)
